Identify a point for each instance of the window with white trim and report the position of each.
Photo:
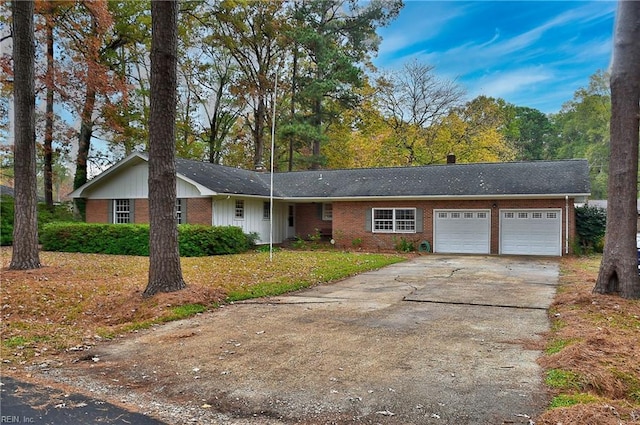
(508, 215)
(536, 215)
(552, 215)
(482, 215)
(394, 220)
(327, 212)
(121, 211)
(239, 210)
(523, 215)
(178, 212)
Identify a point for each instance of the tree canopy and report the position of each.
(333, 109)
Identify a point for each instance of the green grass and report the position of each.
(618, 320)
(16, 341)
(631, 382)
(558, 345)
(563, 379)
(266, 289)
(334, 267)
(567, 400)
(184, 311)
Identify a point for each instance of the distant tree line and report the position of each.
(333, 109)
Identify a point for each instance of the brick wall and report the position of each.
(309, 218)
(141, 211)
(199, 211)
(97, 211)
(349, 220)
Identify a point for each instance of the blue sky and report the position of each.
(530, 53)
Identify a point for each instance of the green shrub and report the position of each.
(200, 240)
(126, 239)
(6, 220)
(133, 239)
(59, 213)
(591, 223)
(404, 245)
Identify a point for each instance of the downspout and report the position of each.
(566, 224)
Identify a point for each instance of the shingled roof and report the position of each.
(221, 179)
(568, 177)
(477, 180)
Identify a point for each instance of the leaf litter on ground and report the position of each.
(594, 338)
(76, 299)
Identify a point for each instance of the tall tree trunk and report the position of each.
(84, 145)
(165, 273)
(294, 82)
(25, 226)
(317, 123)
(48, 131)
(618, 270)
(258, 133)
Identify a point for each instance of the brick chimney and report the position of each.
(451, 159)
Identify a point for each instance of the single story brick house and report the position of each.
(518, 208)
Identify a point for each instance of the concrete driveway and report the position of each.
(435, 340)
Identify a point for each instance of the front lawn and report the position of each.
(79, 299)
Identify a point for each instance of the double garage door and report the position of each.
(522, 232)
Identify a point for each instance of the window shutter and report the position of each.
(110, 211)
(367, 220)
(320, 210)
(183, 207)
(132, 211)
(419, 220)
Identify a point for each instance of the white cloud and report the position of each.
(503, 84)
(527, 58)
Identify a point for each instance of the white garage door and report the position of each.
(462, 231)
(531, 232)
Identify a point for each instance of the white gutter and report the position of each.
(431, 197)
(566, 224)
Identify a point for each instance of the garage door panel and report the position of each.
(462, 231)
(531, 232)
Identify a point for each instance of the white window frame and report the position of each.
(327, 211)
(178, 211)
(239, 210)
(393, 223)
(121, 211)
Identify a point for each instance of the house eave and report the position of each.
(244, 195)
(438, 197)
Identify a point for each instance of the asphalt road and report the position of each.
(26, 403)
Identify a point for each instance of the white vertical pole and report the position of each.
(273, 144)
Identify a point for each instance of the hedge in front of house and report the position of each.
(133, 239)
(200, 240)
